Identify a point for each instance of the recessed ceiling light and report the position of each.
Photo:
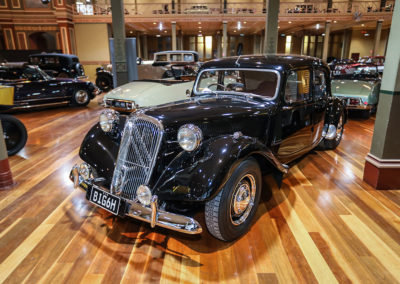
(244, 22)
(199, 23)
(199, 32)
(199, 27)
(362, 25)
(158, 35)
(335, 22)
(234, 31)
(154, 23)
(165, 31)
(317, 26)
(131, 32)
(323, 34)
(290, 22)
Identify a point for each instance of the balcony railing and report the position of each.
(240, 9)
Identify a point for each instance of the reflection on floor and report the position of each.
(324, 225)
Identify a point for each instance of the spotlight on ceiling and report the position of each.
(317, 26)
(160, 27)
(239, 26)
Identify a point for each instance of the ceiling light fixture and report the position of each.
(239, 26)
(160, 27)
(362, 25)
(317, 26)
(154, 23)
(290, 22)
(335, 22)
(158, 35)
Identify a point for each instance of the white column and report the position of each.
(326, 40)
(271, 26)
(377, 38)
(173, 24)
(224, 38)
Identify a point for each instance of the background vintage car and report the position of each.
(184, 61)
(358, 86)
(35, 88)
(58, 64)
(145, 93)
(212, 148)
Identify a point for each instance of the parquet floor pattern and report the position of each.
(324, 225)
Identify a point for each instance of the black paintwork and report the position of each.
(234, 127)
(39, 89)
(58, 64)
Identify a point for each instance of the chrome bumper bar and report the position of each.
(152, 214)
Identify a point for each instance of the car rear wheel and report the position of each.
(332, 144)
(104, 83)
(229, 214)
(81, 98)
(14, 132)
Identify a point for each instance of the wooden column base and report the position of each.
(382, 173)
(6, 179)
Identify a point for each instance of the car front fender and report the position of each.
(201, 175)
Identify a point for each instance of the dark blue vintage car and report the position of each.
(34, 88)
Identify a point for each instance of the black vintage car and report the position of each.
(58, 64)
(247, 116)
(35, 88)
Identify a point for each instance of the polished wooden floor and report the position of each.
(324, 224)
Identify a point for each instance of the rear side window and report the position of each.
(35, 60)
(161, 57)
(297, 87)
(50, 60)
(319, 84)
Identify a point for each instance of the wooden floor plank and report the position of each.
(324, 224)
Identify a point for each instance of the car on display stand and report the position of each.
(358, 86)
(35, 88)
(247, 116)
(184, 61)
(58, 64)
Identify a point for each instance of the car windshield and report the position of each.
(25, 73)
(355, 72)
(257, 82)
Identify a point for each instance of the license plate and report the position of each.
(105, 200)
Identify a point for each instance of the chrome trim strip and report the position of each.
(278, 82)
(38, 105)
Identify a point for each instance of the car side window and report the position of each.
(319, 84)
(297, 87)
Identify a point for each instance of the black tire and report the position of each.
(80, 97)
(332, 144)
(222, 221)
(366, 113)
(104, 82)
(15, 134)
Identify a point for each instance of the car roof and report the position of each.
(263, 61)
(54, 54)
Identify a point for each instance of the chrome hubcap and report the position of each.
(243, 199)
(81, 96)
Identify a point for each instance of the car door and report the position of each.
(320, 97)
(295, 117)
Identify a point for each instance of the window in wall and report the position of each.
(200, 46)
(288, 44)
(208, 46)
(298, 86)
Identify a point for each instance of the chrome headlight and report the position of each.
(189, 137)
(143, 194)
(85, 170)
(109, 118)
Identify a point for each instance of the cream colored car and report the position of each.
(146, 93)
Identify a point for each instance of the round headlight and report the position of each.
(143, 194)
(189, 137)
(108, 119)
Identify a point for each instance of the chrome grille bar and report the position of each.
(138, 151)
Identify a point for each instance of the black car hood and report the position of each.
(207, 108)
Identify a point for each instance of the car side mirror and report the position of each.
(188, 93)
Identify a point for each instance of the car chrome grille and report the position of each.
(138, 151)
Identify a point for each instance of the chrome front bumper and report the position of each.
(152, 214)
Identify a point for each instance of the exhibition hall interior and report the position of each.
(189, 141)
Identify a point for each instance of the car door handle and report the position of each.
(287, 107)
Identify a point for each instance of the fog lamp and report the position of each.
(143, 194)
(84, 170)
(109, 118)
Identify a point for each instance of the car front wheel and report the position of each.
(229, 214)
(81, 98)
